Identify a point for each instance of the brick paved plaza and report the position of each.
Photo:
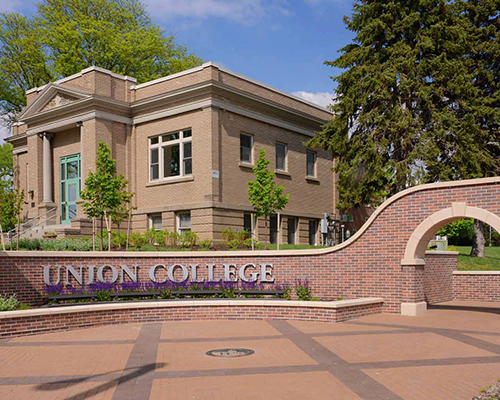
(449, 353)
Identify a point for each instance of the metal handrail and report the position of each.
(9, 233)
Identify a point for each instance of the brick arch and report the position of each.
(417, 244)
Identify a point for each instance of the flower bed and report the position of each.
(105, 292)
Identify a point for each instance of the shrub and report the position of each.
(228, 234)
(303, 290)
(166, 294)
(189, 239)
(103, 295)
(172, 239)
(248, 243)
(148, 247)
(452, 248)
(30, 244)
(206, 244)
(118, 239)
(8, 303)
(242, 235)
(235, 244)
(68, 244)
(137, 239)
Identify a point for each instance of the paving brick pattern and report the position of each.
(449, 353)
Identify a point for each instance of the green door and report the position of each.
(70, 187)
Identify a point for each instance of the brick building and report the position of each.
(186, 143)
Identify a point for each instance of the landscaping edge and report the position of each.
(45, 320)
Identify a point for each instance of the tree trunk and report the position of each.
(478, 239)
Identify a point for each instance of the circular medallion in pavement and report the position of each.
(230, 352)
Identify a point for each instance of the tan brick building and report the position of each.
(186, 143)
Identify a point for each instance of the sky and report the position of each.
(282, 43)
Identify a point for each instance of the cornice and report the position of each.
(84, 71)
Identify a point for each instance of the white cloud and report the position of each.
(246, 12)
(320, 98)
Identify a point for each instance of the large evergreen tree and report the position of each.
(418, 100)
(67, 36)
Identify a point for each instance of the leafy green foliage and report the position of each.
(104, 189)
(189, 239)
(23, 62)
(265, 197)
(66, 36)
(206, 244)
(11, 200)
(8, 303)
(103, 295)
(458, 232)
(418, 99)
(303, 291)
(67, 244)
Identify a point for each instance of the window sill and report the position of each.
(312, 179)
(170, 181)
(246, 165)
(281, 172)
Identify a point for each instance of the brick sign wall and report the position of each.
(368, 265)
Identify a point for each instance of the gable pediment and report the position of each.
(51, 97)
(60, 99)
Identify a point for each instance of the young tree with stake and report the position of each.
(266, 198)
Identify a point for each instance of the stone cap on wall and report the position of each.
(191, 303)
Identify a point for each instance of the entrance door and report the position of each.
(70, 187)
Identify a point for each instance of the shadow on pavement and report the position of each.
(57, 385)
(456, 307)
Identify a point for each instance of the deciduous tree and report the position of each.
(105, 192)
(265, 197)
(66, 36)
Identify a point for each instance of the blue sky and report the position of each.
(282, 43)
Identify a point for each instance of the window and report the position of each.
(292, 230)
(281, 153)
(273, 229)
(170, 155)
(247, 223)
(183, 222)
(311, 164)
(313, 230)
(155, 222)
(246, 146)
(347, 218)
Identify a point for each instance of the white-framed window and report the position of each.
(183, 222)
(311, 164)
(246, 148)
(155, 222)
(281, 156)
(170, 155)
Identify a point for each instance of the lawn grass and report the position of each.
(467, 263)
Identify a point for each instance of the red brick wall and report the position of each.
(32, 325)
(369, 267)
(477, 287)
(438, 277)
